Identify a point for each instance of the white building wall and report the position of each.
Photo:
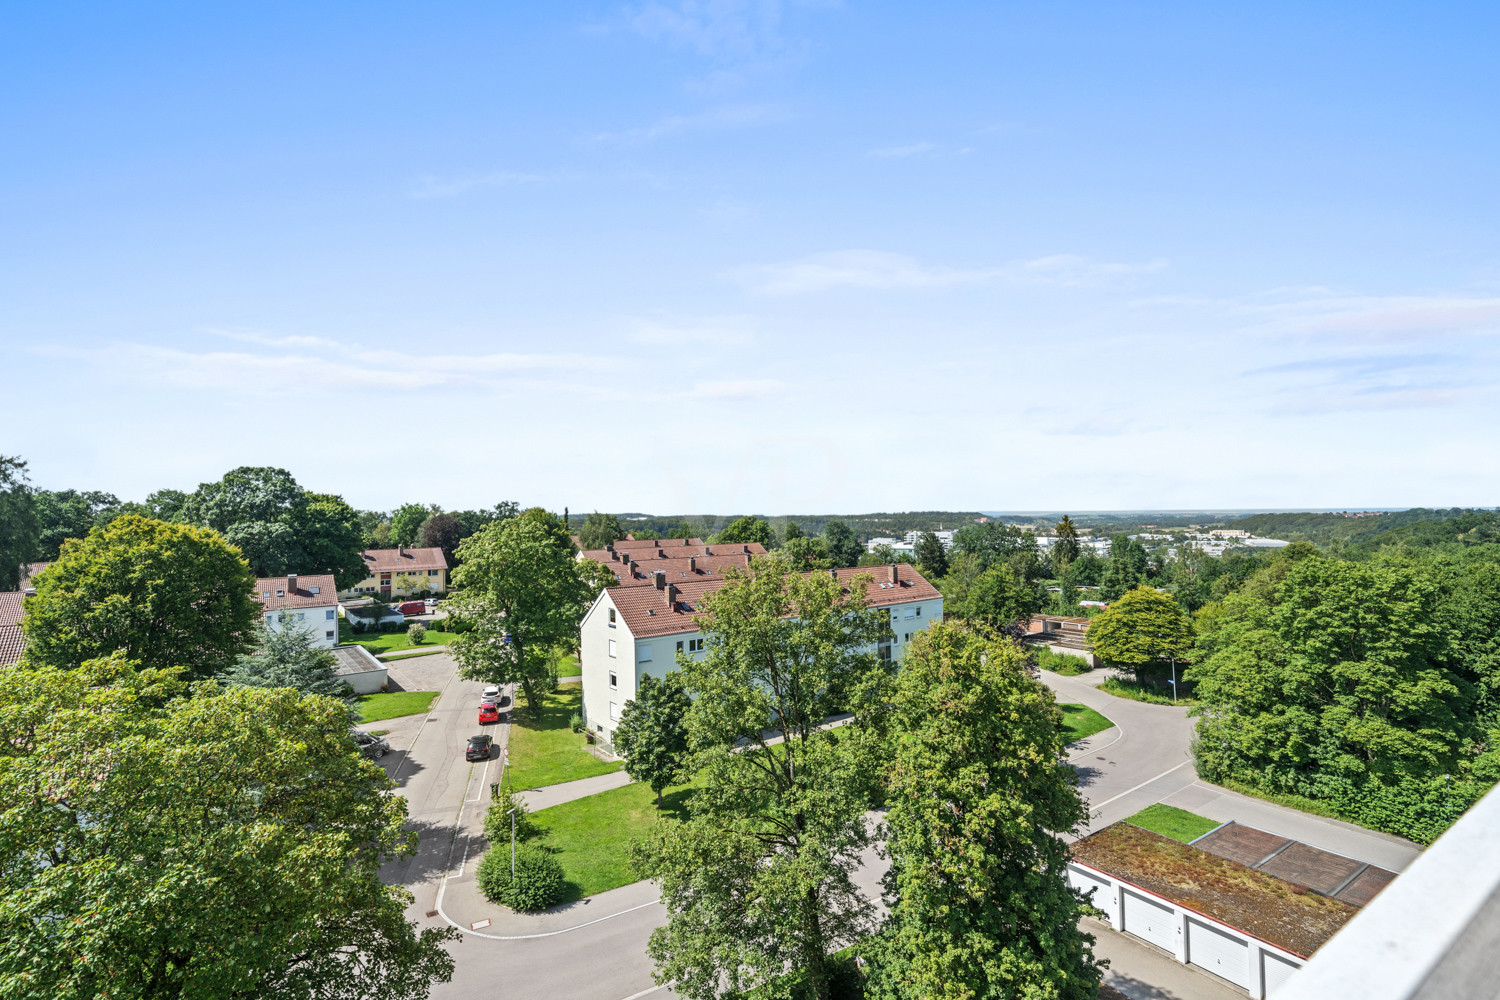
(320, 621)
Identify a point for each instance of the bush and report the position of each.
(576, 723)
(416, 632)
(538, 882)
(497, 823)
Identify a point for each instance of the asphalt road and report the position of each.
(1142, 760)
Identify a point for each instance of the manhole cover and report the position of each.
(432, 913)
(433, 719)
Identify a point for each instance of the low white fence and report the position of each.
(1256, 966)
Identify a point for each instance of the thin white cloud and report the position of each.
(723, 118)
(901, 152)
(433, 186)
(873, 269)
(737, 29)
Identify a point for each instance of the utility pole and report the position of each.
(512, 814)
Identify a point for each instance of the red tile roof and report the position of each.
(647, 613)
(12, 644)
(677, 570)
(403, 560)
(10, 608)
(668, 549)
(274, 595)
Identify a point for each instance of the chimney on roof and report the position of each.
(291, 583)
(747, 549)
(632, 569)
(692, 564)
(659, 578)
(610, 548)
(708, 550)
(671, 593)
(684, 541)
(894, 577)
(400, 550)
(660, 554)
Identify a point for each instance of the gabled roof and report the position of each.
(403, 560)
(646, 610)
(678, 571)
(669, 549)
(311, 592)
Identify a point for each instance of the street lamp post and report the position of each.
(1174, 680)
(512, 814)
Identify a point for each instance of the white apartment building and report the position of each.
(309, 602)
(633, 631)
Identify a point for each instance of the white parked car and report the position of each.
(491, 693)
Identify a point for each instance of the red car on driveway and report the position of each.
(489, 712)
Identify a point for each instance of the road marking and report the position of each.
(645, 993)
(479, 793)
(1137, 788)
(1085, 753)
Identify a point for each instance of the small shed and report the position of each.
(359, 669)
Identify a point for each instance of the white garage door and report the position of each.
(1227, 957)
(1097, 889)
(1277, 971)
(1146, 919)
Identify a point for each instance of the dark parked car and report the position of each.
(373, 746)
(478, 748)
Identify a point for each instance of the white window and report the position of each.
(611, 617)
(302, 616)
(643, 654)
(919, 609)
(330, 615)
(280, 593)
(614, 712)
(614, 681)
(910, 613)
(314, 590)
(695, 645)
(612, 648)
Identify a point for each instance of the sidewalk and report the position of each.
(555, 795)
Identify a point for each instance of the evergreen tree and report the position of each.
(288, 657)
(931, 555)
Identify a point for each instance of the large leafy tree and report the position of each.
(998, 598)
(1141, 628)
(652, 732)
(600, 530)
(288, 657)
(167, 595)
(1128, 567)
(18, 521)
(807, 553)
(278, 526)
(230, 849)
(444, 531)
(407, 521)
(994, 542)
(760, 875)
(843, 545)
(748, 529)
(522, 596)
(65, 514)
(980, 904)
(931, 555)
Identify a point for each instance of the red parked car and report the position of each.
(412, 607)
(489, 712)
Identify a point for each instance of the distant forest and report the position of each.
(1420, 525)
(866, 526)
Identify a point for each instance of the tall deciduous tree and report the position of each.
(748, 529)
(18, 522)
(998, 598)
(167, 595)
(843, 545)
(980, 904)
(329, 537)
(759, 876)
(65, 514)
(288, 657)
(231, 847)
(522, 595)
(1141, 628)
(994, 542)
(1127, 568)
(444, 531)
(652, 734)
(931, 555)
(600, 530)
(407, 521)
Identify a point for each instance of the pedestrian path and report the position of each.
(567, 791)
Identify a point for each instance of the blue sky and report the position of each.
(723, 256)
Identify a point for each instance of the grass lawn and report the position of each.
(590, 835)
(1061, 663)
(393, 704)
(1169, 821)
(1137, 691)
(544, 751)
(565, 664)
(384, 642)
(1082, 722)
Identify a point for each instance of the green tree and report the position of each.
(167, 595)
(978, 891)
(18, 522)
(407, 521)
(931, 555)
(748, 529)
(166, 505)
(600, 530)
(807, 553)
(999, 599)
(844, 548)
(1065, 549)
(261, 827)
(444, 531)
(791, 531)
(652, 732)
(522, 596)
(330, 539)
(994, 542)
(288, 657)
(65, 514)
(1141, 628)
(553, 526)
(1127, 569)
(760, 875)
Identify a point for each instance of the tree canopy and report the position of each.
(652, 732)
(931, 555)
(760, 874)
(18, 522)
(978, 891)
(844, 548)
(748, 529)
(600, 530)
(167, 595)
(1142, 627)
(262, 827)
(407, 521)
(288, 657)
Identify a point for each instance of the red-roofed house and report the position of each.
(402, 572)
(310, 602)
(634, 630)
